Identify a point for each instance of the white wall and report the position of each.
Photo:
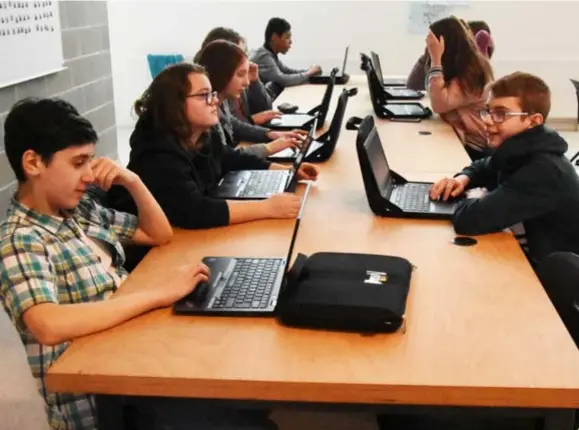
(535, 36)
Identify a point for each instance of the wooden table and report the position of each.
(480, 329)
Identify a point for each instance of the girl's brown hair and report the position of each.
(461, 59)
(163, 103)
(221, 59)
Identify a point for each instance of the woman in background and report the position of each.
(485, 43)
(457, 76)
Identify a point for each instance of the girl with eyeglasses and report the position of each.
(228, 69)
(178, 150)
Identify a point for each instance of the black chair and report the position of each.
(559, 274)
(575, 158)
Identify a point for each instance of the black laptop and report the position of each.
(389, 194)
(323, 146)
(261, 184)
(305, 120)
(342, 77)
(383, 108)
(248, 286)
(393, 92)
(386, 82)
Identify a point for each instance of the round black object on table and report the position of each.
(464, 241)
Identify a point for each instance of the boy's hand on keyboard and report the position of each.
(307, 172)
(449, 187)
(314, 70)
(181, 281)
(283, 205)
(281, 144)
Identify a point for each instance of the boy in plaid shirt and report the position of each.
(60, 252)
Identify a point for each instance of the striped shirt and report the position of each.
(45, 259)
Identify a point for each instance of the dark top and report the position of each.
(180, 179)
(530, 181)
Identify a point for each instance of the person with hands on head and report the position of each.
(457, 77)
(178, 149)
(484, 42)
(61, 258)
(278, 40)
(531, 185)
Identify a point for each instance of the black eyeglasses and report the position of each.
(499, 116)
(209, 97)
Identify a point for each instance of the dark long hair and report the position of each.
(163, 103)
(461, 59)
(221, 59)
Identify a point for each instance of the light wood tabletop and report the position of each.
(480, 330)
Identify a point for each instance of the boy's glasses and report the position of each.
(209, 97)
(499, 116)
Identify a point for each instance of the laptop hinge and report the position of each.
(315, 110)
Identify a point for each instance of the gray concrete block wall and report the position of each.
(87, 84)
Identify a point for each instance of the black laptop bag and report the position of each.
(346, 292)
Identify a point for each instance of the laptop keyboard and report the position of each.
(265, 183)
(250, 284)
(412, 197)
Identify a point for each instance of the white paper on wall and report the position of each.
(30, 40)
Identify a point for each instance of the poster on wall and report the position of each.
(30, 40)
(424, 13)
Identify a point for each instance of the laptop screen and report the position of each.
(300, 156)
(297, 226)
(377, 159)
(345, 60)
(377, 66)
(323, 112)
(336, 124)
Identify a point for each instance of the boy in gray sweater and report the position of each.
(278, 40)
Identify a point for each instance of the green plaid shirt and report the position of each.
(45, 260)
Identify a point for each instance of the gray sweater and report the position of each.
(271, 69)
(232, 136)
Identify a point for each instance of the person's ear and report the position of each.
(537, 119)
(32, 163)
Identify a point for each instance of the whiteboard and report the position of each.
(30, 40)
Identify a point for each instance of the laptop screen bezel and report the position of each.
(345, 61)
(377, 67)
(374, 139)
(300, 156)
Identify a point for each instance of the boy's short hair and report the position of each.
(533, 93)
(277, 26)
(45, 126)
